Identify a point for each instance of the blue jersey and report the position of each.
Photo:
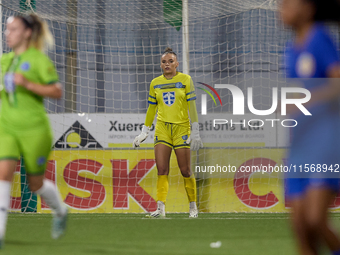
(314, 58)
(315, 140)
(311, 60)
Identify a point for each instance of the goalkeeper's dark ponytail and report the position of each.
(169, 50)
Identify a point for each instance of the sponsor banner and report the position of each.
(111, 181)
(97, 130)
(227, 130)
(119, 130)
(123, 181)
(243, 191)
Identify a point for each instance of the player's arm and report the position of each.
(329, 91)
(193, 111)
(150, 116)
(47, 76)
(52, 90)
(333, 84)
(194, 139)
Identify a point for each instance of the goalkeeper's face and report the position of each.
(169, 63)
(16, 33)
(295, 13)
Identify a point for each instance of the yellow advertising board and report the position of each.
(243, 191)
(112, 181)
(125, 181)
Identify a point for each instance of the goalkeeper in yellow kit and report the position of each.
(173, 96)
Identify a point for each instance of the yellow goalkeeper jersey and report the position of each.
(172, 97)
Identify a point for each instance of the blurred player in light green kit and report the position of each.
(28, 75)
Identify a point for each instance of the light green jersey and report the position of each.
(28, 109)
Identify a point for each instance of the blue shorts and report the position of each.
(297, 187)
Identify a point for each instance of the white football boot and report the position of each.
(193, 212)
(59, 225)
(159, 213)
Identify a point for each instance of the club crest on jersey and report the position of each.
(305, 65)
(41, 160)
(25, 66)
(169, 98)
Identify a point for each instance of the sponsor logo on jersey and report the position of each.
(25, 66)
(305, 65)
(179, 85)
(41, 160)
(77, 137)
(169, 98)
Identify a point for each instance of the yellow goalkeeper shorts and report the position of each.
(172, 135)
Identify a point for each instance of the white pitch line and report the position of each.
(143, 218)
(74, 217)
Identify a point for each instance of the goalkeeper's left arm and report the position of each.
(194, 139)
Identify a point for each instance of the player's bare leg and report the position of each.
(306, 244)
(183, 159)
(162, 157)
(48, 191)
(317, 203)
(7, 169)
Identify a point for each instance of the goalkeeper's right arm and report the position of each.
(150, 115)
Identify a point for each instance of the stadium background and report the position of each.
(107, 53)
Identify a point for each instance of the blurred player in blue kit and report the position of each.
(315, 140)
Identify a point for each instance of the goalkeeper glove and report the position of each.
(194, 139)
(141, 137)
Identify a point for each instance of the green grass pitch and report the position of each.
(127, 234)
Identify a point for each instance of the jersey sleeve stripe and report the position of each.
(152, 97)
(190, 92)
(52, 82)
(151, 102)
(193, 98)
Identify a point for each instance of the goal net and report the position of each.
(107, 53)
